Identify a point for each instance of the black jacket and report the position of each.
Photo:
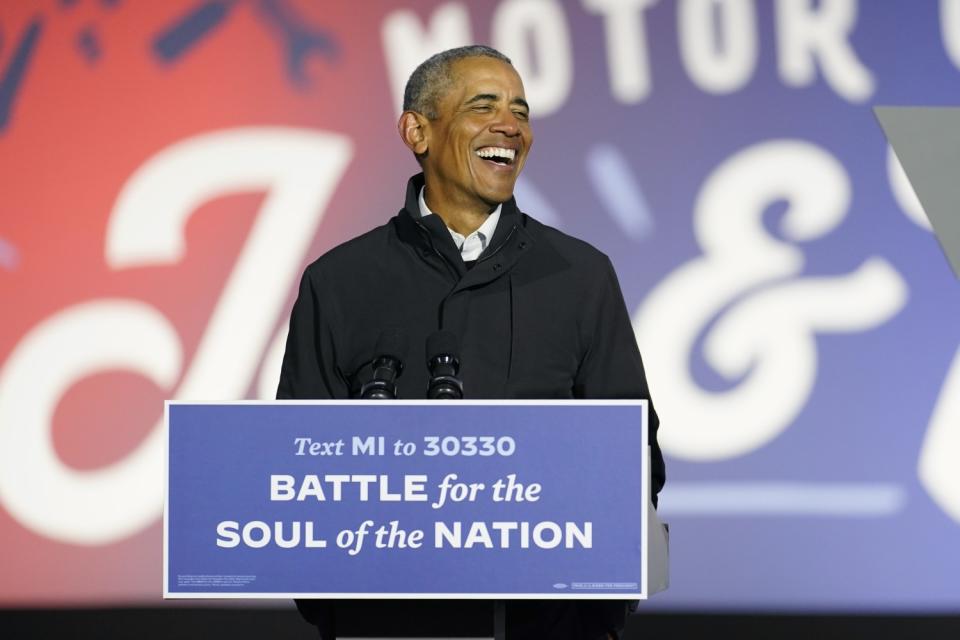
(539, 316)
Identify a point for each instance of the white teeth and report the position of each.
(497, 152)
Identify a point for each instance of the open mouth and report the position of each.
(498, 155)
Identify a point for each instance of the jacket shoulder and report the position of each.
(573, 250)
(354, 253)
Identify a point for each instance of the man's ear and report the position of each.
(414, 130)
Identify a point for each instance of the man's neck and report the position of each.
(462, 219)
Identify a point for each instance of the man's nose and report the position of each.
(506, 123)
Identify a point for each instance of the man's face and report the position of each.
(479, 141)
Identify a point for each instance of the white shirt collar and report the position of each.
(472, 245)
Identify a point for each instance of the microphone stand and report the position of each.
(445, 384)
(387, 367)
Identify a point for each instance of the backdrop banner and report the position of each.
(169, 169)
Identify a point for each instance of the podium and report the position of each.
(464, 500)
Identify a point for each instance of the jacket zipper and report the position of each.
(426, 234)
(500, 246)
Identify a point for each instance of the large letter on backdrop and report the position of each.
(761, 323)
(718, 42)
(299, 169)
(806, 33)
(407, 43)
(628, 54)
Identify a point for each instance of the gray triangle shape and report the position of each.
(927, 143)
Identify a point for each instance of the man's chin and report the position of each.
(493, 203)
(496, 197)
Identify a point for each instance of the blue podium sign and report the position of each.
(350, 499)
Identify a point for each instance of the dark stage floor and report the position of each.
(169, 623)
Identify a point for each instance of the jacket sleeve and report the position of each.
(309, 370)
(611, 367)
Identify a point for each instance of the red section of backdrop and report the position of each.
(95, 102)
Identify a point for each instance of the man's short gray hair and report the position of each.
(432, 78)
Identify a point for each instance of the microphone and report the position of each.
(387, 367)
(444, 366)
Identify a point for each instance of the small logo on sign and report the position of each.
(560, 585)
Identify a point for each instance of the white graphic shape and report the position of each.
(36, 487)
(903, 191)
(299, 170)
(628, 52)
(407, 41)
(718, 43)
(818, 35)
(763, 336)
(941, 446)
(778, 499)
(534, 34)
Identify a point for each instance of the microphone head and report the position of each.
(387, 365)
(392, 343)
(443, 361)
(442, 343)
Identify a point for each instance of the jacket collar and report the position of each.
(509, 240)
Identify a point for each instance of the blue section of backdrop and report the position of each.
(875, 388)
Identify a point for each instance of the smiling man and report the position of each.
(471, 136)
(538, 314)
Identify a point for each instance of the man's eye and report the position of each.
(482, 108)
(521, 115)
